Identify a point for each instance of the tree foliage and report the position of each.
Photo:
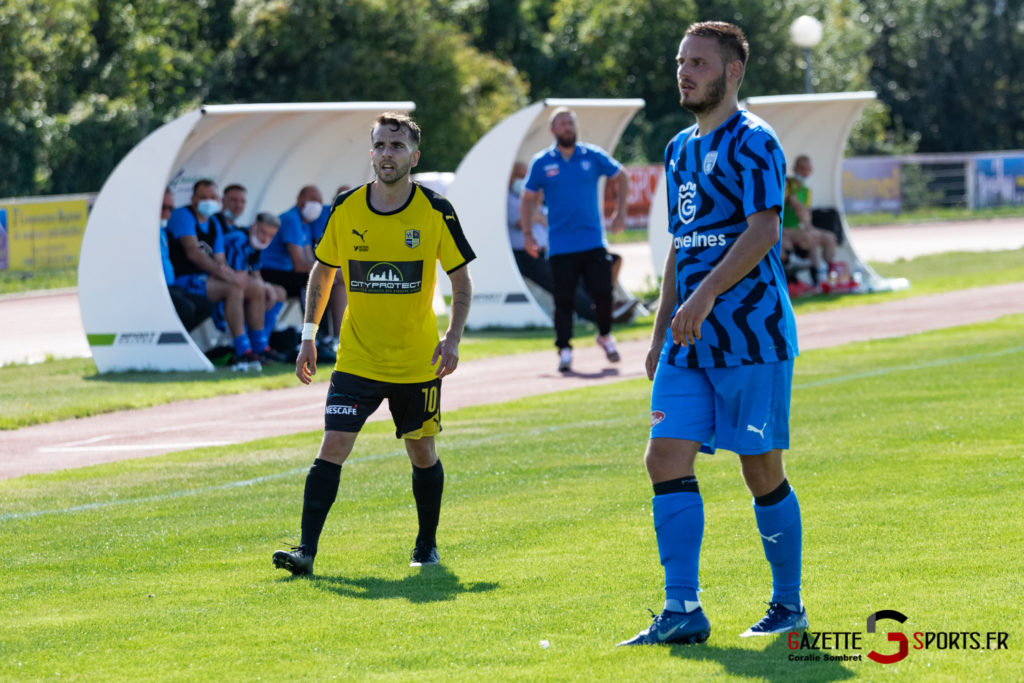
(950, 70)
(82, 81)
(316, 50)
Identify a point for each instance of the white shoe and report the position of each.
(608, 344)
(565, 360)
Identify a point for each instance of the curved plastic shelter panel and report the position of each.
(817, 125)
(271, 149)
(479, 193)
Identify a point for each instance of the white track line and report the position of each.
(173, 446)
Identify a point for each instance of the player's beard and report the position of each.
(567, 140)
(400, 173)
(714, 96)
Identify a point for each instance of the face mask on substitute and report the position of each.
(229, 214)
(255, 243)
(311, 211)
(517, 186)
(208, 207)
(163, 223)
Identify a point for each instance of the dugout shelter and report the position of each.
(817, 125)
(271, 149)
(479, 193)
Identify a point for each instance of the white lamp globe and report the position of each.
(805, 32)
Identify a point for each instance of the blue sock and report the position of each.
(241, 343)
(780, 528)
(257, 341)
(270, 317)
(679, 527)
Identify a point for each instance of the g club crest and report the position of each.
(412, 238)
(687, 208)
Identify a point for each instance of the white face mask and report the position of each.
(801, 178)
(228, 213)
(163, 223)
(517, 186)
(255, 243)
(208, 207)
(311, 211)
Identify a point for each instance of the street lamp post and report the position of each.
(805, 32)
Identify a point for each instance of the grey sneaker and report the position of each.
(565, 360)
(608, 345)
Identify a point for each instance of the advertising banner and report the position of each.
(4, 249)
(999, 181)
(871, 185)
(643, 180)
(42, 235)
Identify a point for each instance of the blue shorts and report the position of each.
(193, 284)
(744, 409)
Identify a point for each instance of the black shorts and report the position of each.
(415, 408)
(292, 282)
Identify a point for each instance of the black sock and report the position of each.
(427, 487)
(321, 490)
(682, 485)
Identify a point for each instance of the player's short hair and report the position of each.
(398, 121)
(558, 112)
(235, 186)
(732, 43)
(201, 183)
(268, 219)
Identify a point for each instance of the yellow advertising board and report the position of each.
(41, 235)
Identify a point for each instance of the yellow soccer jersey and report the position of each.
(389, 331)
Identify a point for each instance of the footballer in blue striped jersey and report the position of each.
(724, 338)
(714, 182)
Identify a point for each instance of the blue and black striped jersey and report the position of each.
(714, 182)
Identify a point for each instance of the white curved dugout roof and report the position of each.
(480, 191)
(817, 125)
(271, 149)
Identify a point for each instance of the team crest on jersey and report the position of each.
(687, 207)
(585, 165)
(656, 417)
(709, 162)
(412, 238)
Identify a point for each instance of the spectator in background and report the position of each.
(196, 247)
(536, 268)
(321, 223)
(799, 235)
(192, 309)
(243, 249)
(235, 199)
(289, 257)
(568, 173)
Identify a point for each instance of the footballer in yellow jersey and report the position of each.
(389, 331)
(384, 238)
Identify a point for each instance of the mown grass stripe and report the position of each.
(463, 443)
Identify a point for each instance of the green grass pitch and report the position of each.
(907, 458)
